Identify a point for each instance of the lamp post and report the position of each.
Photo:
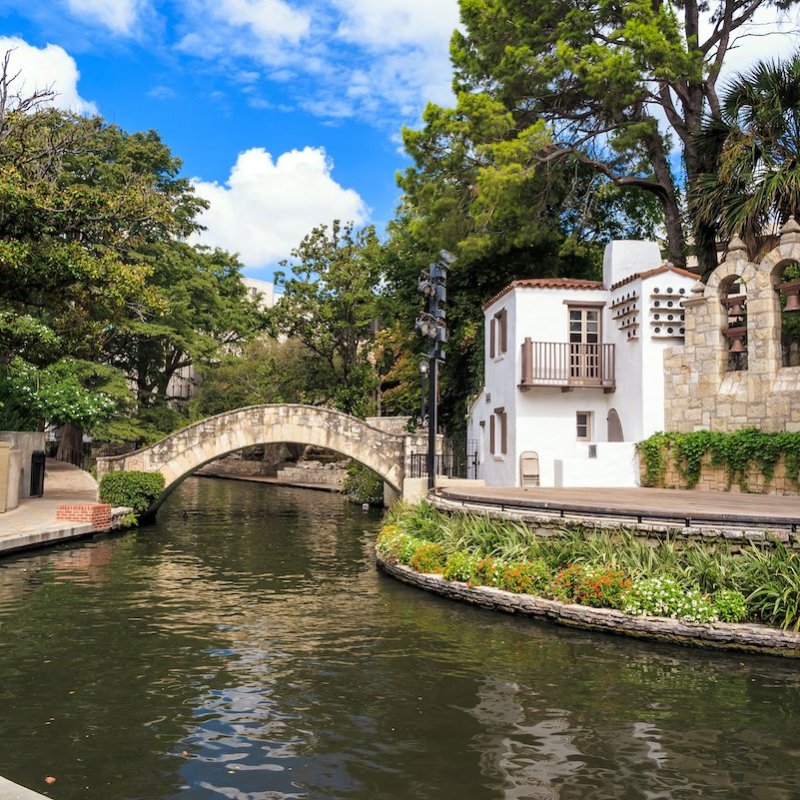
(423, 373)
(432, 325)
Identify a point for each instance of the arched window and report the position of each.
(733, 295)
(789, 291)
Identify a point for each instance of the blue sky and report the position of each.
(286, 113)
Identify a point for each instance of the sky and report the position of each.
(285, 113)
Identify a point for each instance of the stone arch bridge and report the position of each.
(385, 452)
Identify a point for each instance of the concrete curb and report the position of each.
(11, 791)
(720, 635)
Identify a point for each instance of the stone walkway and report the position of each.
(662, 503)
(34, 521)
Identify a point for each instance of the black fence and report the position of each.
(451, 465)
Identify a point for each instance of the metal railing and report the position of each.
(567, 365)
(450, 465)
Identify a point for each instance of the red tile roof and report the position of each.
(546, 283)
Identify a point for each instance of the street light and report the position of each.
(423, 373)
(432, 324)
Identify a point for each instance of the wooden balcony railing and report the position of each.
(567, 365)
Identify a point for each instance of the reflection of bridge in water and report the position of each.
(386, 452)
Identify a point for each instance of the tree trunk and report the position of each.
(70, 445)
(673, 223)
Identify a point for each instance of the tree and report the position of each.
(591, 82)
(330, 305)
(753, 148)
(267, 371)
(203, 312)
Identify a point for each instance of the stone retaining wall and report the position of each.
(715, 479)
(544, 524)
(721, 635)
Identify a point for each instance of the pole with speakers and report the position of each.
(432, 324)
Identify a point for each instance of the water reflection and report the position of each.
(249, 649)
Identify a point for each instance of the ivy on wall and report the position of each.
(738, 453)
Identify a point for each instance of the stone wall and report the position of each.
(545, 523)
(700, 392)
(715, 479)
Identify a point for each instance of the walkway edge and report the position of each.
(12, 791)
(56, 534)
(720, 635)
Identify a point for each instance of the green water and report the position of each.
(248, 649)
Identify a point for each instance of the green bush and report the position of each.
(362, 485)
(460, 566)
(487, 572)
(524, 577)
(590, 585)
(430, 557)
(730, 605)
(665, 597)
(137, 490)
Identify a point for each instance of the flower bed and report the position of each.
(693, 583)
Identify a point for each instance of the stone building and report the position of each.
(733, 369)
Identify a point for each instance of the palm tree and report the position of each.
(754, 142)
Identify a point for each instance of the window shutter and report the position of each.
(492, 335)
(503, 433)
(503, 319)
(491, 434)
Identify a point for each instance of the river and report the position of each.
(245, 647)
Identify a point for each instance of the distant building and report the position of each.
(574, 373)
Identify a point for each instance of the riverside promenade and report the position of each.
(35, 522)
(688, 509)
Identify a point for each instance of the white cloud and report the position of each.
(119, 16)
(267, 206)
(393, 23)
(266, 30)
(48, 67)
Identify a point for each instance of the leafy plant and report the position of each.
(590, 585)
(730, 605)
(137, 490)
(362, 485)
(429, 557)
(524, 577)
(460, 566)
(666, 597)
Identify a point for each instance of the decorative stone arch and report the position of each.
(773, 265)
(182, 453)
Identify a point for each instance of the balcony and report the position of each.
(570, 366)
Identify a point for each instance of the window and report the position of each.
(498, 429)
(583, 426)
(498, 334)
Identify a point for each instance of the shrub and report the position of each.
(402, 547)
(487, 571)
(730, 605)
(665, 597)
(524, 577)
(137, 490)
(429, 557)
(460, 566)
(590, 585)
(362, 485)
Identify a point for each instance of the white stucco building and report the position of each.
(574, 372)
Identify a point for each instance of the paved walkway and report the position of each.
(662, 503)
(34, 522)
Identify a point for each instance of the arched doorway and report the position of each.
(614, 427)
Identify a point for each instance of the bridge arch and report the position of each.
(178, 455)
